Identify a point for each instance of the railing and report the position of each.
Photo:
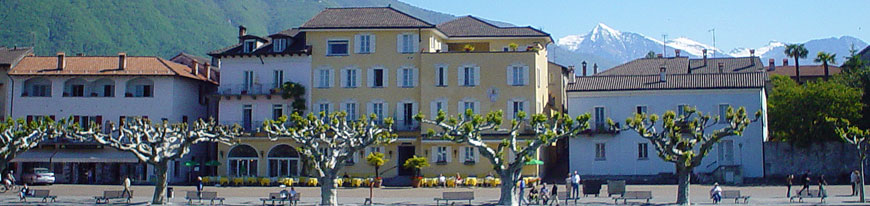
(252, 126)
(406, 125)
(244, 89)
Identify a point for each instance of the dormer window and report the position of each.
(250, 45)
(279, 45)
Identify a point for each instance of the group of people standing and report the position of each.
(544, 195)
(806, 181)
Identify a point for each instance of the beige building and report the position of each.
(383, 61)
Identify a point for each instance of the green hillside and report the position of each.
(158, 27)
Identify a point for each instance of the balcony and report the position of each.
(244, 89)
(247, 126)
(406, 125)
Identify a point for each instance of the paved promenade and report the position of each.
(663, 194)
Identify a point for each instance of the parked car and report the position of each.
(39, 176)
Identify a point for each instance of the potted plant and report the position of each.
(513, 46)
(468, 48)
(416, 163)
(376, 159)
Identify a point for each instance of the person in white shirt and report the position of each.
(127, 190)
(716, 193)
(442, 180)
(854, 179)
(575, 184)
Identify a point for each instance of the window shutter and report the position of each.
(433, 110)
(477, 107)
(510, 75)
(370, 77)
(460, 76)
(476, 155)
(433, 155)
(415, 76)
(316, 79)
(400, 113)
(386, 77)
(331, 78)
(29, 118)
(509, 109)
(461, 154)
(342, 78)
(449, 154)
(460, 108)
(357, 43)
(370, 108)
(476, 76)
(372, 43)
(526, 75)
(527, 109)
(358, 77)
(399, 44)
(416, 42)
(414, 109)
(399, 77)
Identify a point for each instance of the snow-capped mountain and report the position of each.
(839, 46)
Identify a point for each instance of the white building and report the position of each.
(103, 89)
(657, 85)
(252, 73)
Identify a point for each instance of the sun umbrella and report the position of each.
(190, 163)
(213, 163)
(534, 162)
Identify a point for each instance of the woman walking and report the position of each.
(822, 183)
(788, 182)
(853, 178)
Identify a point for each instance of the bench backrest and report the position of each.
(112, 194)
(191, 194)
(615, 186)
(731, 193)
(209, 195)
(275, 195)
(40, 193)
(638, 194)
(458, 195)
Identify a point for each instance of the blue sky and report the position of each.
(738, 23)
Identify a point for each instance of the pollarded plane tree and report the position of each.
(858, 138)
(18, 136)
(469, 128)
(159, 144)
(328, 141)
(684, 139)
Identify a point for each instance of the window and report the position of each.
(681, 110)
(283, 161)
(407, 77)
(517, 107)
(407, 43)
(469, 154)
(642, 151)
(108, 90)
(438, 105)
(350, 76)
(726, 152)
(600, 153)
(242, 161)
(408, 114)
(640, 110)
(518, 75)
(85, 121)
(323, 108)
(143, 91)
(248, 81)
(600, 119)
(365, 44)
(37, 87)
(468, 76)
(279, 45)
(378, 78)
(350, 108)
(41, 91)
(278, 79)
(441, 76)
(247, 117)
(468, 105)
(277, 111)
(336, 48)
(723, 112)
(441, 154)
(378, 109)
(324, 78)
(250, 46)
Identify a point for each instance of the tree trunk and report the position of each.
(861, 177)
(509, 179)
(161, 184)
(376, 171)
(825, 63)
(683, 176)
(797, 69)
(327, 189)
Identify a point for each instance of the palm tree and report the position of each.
(826, 58)
(796, 51)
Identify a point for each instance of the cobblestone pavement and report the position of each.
(662, 194)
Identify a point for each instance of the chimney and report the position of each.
(242, 32)
(195, 68)
(705, 56)
(676, 53)
(61, 60)
(771, 64)
(784, 61)
(122, 61)
(662, 71)
(659, 56)
(571, 74)
(595, 68)
(80, 54)
(721, 67)
(584, 68)
(207, 71)
(751, 52)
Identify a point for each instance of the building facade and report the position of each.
(655, 86)
(385, 62)
(105, 89)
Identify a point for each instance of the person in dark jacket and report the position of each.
(806, 182)
(554, 195)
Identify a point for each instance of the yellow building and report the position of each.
(386, 62)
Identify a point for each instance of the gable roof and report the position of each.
(470, 26)
(684, 65)
(198, 59)
(295, 37)
(673, 81)
(104, 65)
(364, 17)
(806, 70)
(10, 56)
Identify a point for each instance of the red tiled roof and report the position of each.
(673, 81)
(103, 65)
(469, 26)
(364, 17)
(806, 71)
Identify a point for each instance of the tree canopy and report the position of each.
(797, 112)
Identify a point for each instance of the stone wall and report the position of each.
(833, 159)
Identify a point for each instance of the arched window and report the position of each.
(242, 161)
(140, 87)
(103, 88)
(36, 87)
(283, 161)
(74, 87)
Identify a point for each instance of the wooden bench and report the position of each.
(807, 194)
(734, 194)
(276, 197)
(44, 194)
(564, 196)
(210, 196)
(111, 195)
(633, 195)
(454, 196)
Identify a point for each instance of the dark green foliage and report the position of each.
(798, 112)
(159, 27)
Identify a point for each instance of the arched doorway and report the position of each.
(284, 161)
(242, 161)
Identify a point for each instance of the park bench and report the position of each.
(454, 196)
(210, 196)
(276, 197)
(633, 195)
(564, 196)
(734, 194)
(807, 194)
(111, 195)
(615, 187)
(44, 194)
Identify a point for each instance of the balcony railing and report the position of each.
(251, 126)
(406, 125)
(247, 89)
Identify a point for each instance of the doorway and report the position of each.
(405, 153)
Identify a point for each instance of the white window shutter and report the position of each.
(370, 77)
(317, 77)
(415, 76)
(342, 80)
(416, 42)
(400, 116)
(527, 109)
(461, 154)
(372, 43)
(460, 76)
(386, 77)
(433, 155)
(526, 75)
(399, 44)
(433, 110)
(509, 109)
(449, 154)
(370, 108)
(356, 157)
(510, 75)
(415, 109)
(476, 76)
(477, 107)
(476, 155)
(460, 108)
(331, 78)
(358, 77)
(357, 43)
(399, 77)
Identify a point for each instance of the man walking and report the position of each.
(575, 184)
(853, 178)
(806, 182)
(522, 188)
(127, 190)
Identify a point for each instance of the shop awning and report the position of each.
(107, 155)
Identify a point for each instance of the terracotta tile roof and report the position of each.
(806, 70)
(11, 56)
(684, 65)
(469, 26)
(103, 65)
(364, 17)
(198, 59)
(673, 81)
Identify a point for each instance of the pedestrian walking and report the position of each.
(199, 186)
(554, 195)
(522, 188)
(545, 194)
(127, 190)
(806, 182)
(575, 184)
(854, 179)
(568, 183)
(822, 183)
(788, 182)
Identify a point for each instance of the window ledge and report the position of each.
(377, 87)
(441, 163)
(440, 85)
(333, 55)
(469, 162)
(643, 158)
(406, 87)
(600, 159)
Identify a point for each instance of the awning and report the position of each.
(107, 155)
